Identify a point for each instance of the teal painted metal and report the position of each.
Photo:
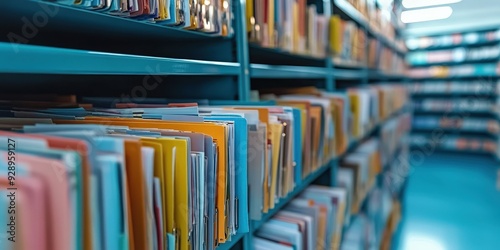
(286, 72)
(452, 63)
(95, 22)
(349, 74)
(230, 244)
(379, 75)
(21, 58)
(242, 50)
(330, 78)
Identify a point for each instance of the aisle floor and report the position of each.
(451, 203)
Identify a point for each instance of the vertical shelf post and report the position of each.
(242, 49)
(330, 79)
(366, 46)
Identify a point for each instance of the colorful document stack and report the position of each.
(392, 98)
(314, 220)
(205, 16)
(373, 228)
(290, 25)
(179, 175)
(168, 178)
(384, 58)
(392, 136)
(326, 122)
(347, 41)
(369, 106)
(358, 171)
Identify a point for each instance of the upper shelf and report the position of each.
(473, 39)
(70, 19)
(287, 72)
(422, 64)
(456, 72)
(379, 75)
(348, 10)
(264, 71)
(49, 60)
(277, 56)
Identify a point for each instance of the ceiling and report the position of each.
(467, 15)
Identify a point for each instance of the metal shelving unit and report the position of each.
(485, 70)
(100, 45)
(14, 60)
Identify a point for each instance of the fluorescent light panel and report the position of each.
(411, 4)
(424, 15)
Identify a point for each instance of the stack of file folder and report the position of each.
(370, 106)
(327, 118)
(164, 175)
(367, 229)
(393, 135)
(384, 59)
(358, 171)
(213, 17)
(314, 220)
(347, 41)
(374, 202)
(290, 25)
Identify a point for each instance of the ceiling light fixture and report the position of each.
(412, 4)
(424, 15)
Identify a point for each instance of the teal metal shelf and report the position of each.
(481, 134)
(95, 22)
(439, 148)
(488, 113)
(458, 94)
(379, 75)
(263, 55)
(287, 72)
(480, 43)
(229, 244)
(349, 74)
(482, 40)
(456, 77)
(454, 63)
(341, 63)
(31, 59)
(348, 10)
(243, 60)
